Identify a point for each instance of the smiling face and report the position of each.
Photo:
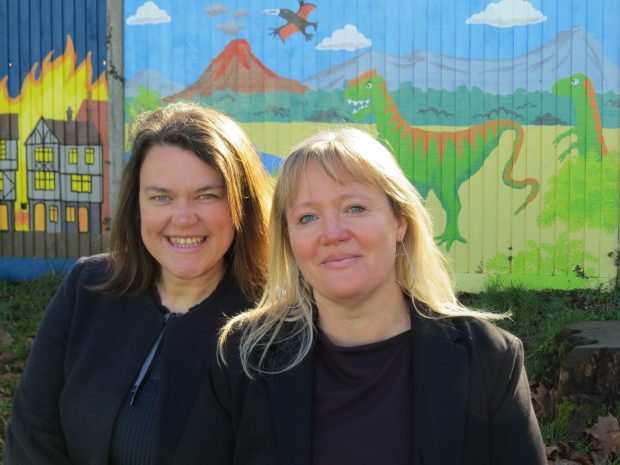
(185, 222)
(343, 236)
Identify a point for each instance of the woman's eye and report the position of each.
(206, 196)
(356, 209)
(306, 218)
(161, 198)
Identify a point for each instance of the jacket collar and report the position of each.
(440, 380)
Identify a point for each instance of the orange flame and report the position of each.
(60, 85)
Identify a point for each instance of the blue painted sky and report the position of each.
(192, 32)
(179, 39)
(30, 29)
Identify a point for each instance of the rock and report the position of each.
(590, 365)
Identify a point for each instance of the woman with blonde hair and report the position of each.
(359, 351)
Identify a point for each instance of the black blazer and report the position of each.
(86, 355)
(470, 394)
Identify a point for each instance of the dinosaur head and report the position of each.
(572, 86)
(361, 90)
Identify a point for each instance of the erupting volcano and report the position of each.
(238, 69)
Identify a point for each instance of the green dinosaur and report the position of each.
(434, 160)
(588, 128)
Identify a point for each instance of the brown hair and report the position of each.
(218, 141)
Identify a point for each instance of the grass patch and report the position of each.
(21, 307)
(538, 315)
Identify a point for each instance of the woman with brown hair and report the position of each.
(124, 345)
(359, 352)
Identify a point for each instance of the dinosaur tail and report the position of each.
(508, 168)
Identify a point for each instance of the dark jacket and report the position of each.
(471, 404)
(86, 355)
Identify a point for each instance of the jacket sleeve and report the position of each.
(34, 432)
(515, 434)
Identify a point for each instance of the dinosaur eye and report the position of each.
(369, 85)
(574, 81)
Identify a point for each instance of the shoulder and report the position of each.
(90, 270)
(85, 273)
(483, 339)
(485, 334)
(493, 352)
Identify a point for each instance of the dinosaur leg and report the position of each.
(452, 206)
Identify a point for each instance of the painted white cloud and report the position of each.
(230, 27)
(216, 9)
(347, 38)
(148, 13)
(240, 13)
(508, 13)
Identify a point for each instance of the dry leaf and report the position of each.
(543, 400)
(581, 458)
(5, 339)
(7, 358)
(606, 434)
(551, 452)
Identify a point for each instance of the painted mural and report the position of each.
(53, 128)
(505, 115)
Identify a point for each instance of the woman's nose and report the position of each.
(184, 214)
(334, 229)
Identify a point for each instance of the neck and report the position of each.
(376, 319)
(179, 296)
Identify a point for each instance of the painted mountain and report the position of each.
(574, 51)
(151, 80)
(238, 69)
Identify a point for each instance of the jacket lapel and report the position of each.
(440, 380)
(291, 401)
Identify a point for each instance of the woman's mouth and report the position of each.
(186, 241)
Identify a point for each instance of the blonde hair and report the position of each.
(287, 299)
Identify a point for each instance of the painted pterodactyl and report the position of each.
(296, 22)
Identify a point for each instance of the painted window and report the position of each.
(89, 155)
(44, 180)
(43, 154)
(4, 217)
(54, 214)
(70, 214)
(81, 183)
(73, 156)
(83, 219)
(1, 181)
(2, 150)
(40, 222)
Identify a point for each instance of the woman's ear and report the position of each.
(401, 229)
